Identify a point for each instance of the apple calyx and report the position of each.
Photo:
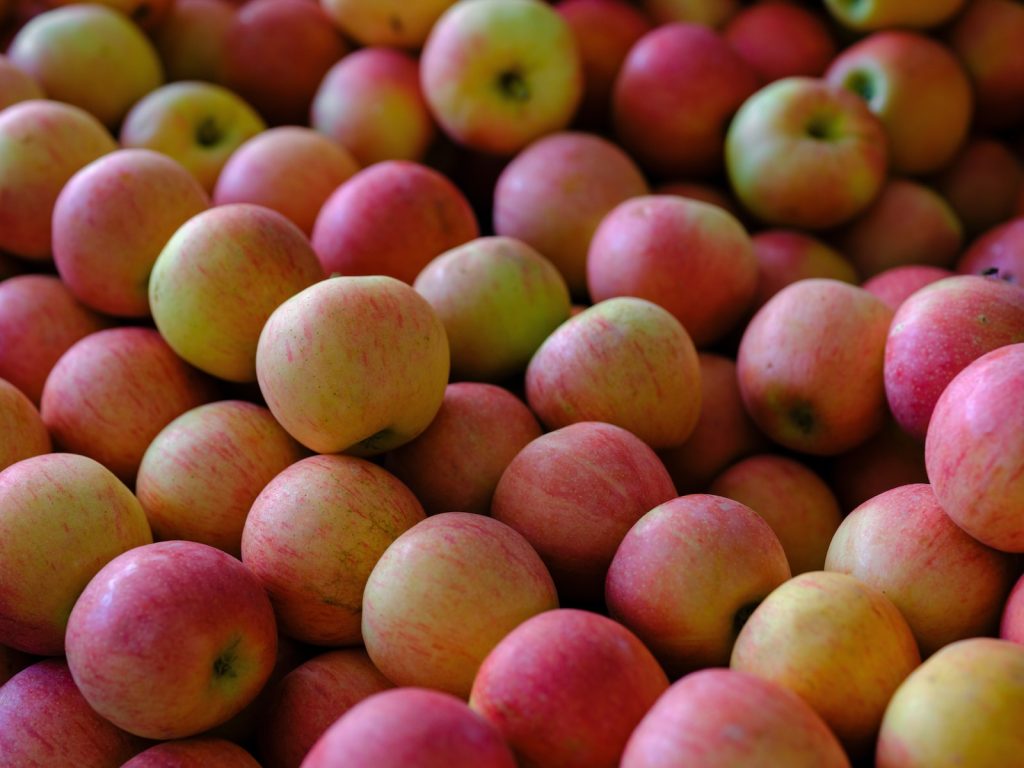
(513, 85)
(208, 132)
(225, 665)
(824, 126)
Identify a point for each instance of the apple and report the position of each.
(290, 169)
(456, 463)
(712, 13)
(201, 474)
(392, 23)
(917, 87)
(781, 39)
(444, 593)
(625, 361)
(961, 706)
(997, 252)
(838, 643)
(91, 56)
(792, 498)
(947, 585)
(908, 223)
(806, 154)
(62, 517)
(878, 14)
(810, 366)
(45, 721)
(974, 447)
(16, 84)
(40, 319)
(112, 392)
(704, 191)
(190, 39)
(199, 124)
(148, 15)
(498, 74)
(276, 52)
(688, 574)
(103, 255)
(314, 533)
(206, 752)
(554, 193)
(692, 258)
(1011, 622)
(567, 687)
(498, 299)
(42, 144)
(356, 364)
(604, 31)
(724, 431)
(170, 639)
(370, 102)
(896, 284)
(719, 718)
(218, 279)
(982, 183)
(574, 493)
(787, 255)
(937, 331)
(309, 699)
(392, 219)
(410, 726)
(679, 131)
(21, 425)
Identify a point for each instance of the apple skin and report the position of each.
(40, 319)
(16, 84)
(724, 433)
(687, 575)
(355, 231)
(391, 23)
(625, 361)
(456, 463)
(937, 331)
(838, 643)
(202, 640)
(721, 718)
(444, 593)
(679, 131)
(42, 144)
(567, 687)
(313, 535)
(896, 284)
(499, 299)
(960, 706)
(51, 505)
(786, 255)
(706, 192)
(90, 56)
(21, 425)
(982, 184)
(218, 279)
(194, 753)
(276, 52)
(555, 192)
(918, 89)
(1011, 623)
(604, 31)
(879, 14)
(793, 499)
(810, 366)
(692, 258)
(112, 219)
(781, 39)
(574, 493)
(997, 251)
(203, 471)
(290, 169)
(410, 726)
(975, 445)
(947, 585)
(199, 124)
(711, 13)
(356, 364)
(498, 74)
(835, 151)
(308, 700)
(45, 721)
(190, 39)
(112, 392)
(370, 102)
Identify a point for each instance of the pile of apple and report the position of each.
(495, 383)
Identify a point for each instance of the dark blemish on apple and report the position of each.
(802, 417)
(224, 665)
(512, 85)
(983, 319)
(208, 133)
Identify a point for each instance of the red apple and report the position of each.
(700, 190)
(712, 13)
(194, 753)
(190, 39)
(786, 255)
(394, 23)
(896, 284)
(780, 39)
(21, 425)
(998, 252)
(1011, 623)
(982, 183)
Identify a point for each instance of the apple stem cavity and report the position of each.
(208, 133)
(802, 417)
(513, 85)
(861, 84)
(224, 665)
(822, 126)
